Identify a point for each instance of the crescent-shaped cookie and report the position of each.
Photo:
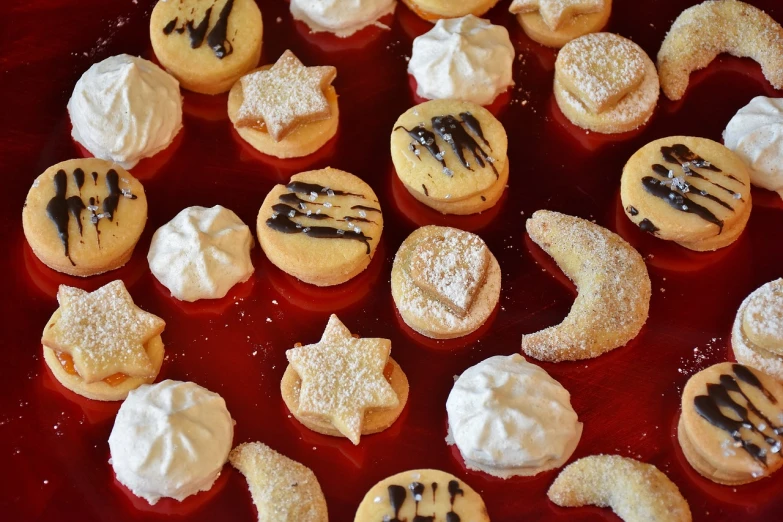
(704, 31)
(614, 289)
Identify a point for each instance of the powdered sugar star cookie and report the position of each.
(555, 12)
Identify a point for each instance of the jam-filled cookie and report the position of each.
(445, 282)
(422, 494)
(451, 156)
(689, 190)
(554, 23)
(757, 334)
(100, 344)
(730, 429)
(206, 44)
(83, 217)
(436, 9)
(322, 227)
(605, 83)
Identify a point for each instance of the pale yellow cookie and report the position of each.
(554, 23)
(83, 217)
(323, 227)
(445, 282)
(429, 493)
(706, 30)
(433, 10)
(613, 284)
(635, 491)
(283, 490)
(693, 191)
(757, 334)
(451, 156)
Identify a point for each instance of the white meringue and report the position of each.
(341, 17)
(201, 253)
(462, 58)
(170, 439)
(124, 109)
(755, 133)
(509, 417)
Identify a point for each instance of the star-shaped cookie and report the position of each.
(556, 12)
(103, 331)
(285, 96)
(342, 377)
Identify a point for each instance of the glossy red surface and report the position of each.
(53, 444)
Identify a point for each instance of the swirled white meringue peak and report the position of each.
(341, 17)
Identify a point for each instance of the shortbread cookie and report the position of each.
(757, 334)
(422, 494)
(206, 44)
(83, 217)
(613, 284)
(344, 386)
(605, 83)
(436, 9)
(704, 31)
(540, 428)
(451, 156)
(285, 110)
(283, 490)
(445, 282)
(689, 190)
(322, 228)
(635, 491)
(554, 23)
(100, 344)
(341, 17)
(730, 429)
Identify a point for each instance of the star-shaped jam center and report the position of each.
(285, 96)
(103, 331)
(342, 377)
(556, 12)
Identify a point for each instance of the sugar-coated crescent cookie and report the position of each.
(693, 191)
(436, 9)
(554, 23)
(84, 216)
(757, 334)
(613, 284)
(635, 491)
(283, 490)
(427, 493)
(730, 429)
(207, 45)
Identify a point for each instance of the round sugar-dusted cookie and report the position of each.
(83, 217)
(757, 334)
(207, 45)
(436, 9)
(554, 23)
(693, 191)
(322, 227)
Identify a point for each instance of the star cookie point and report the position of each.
(556, 12)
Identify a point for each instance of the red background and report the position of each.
(53, 444)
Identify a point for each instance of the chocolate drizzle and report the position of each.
(217, 39)
(78, 178)
(426, 138)
(169, 28)
(197, 32)
(450, 129)
(398, 495)
(311, 189)
(57, 210)
(475, 127)
(631, 210)
(648, 226)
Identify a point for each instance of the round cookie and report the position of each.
(725, 410)
(605, 83)
(445, 282)
(569, 20)
(436, 9)
(757, 334)
(451, 156)
(83, 217)
(426, 492)
(693, 191)
(322, 228)
(207, 45)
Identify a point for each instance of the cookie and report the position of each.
(451, 156)
(730, 428)
(554, 23)
(344, 386)
(635, 491)
(445, 282)
(422, 494)
(692, 191)
(84, 217)
(613, 285)
(757, 334)
(100, 344)
(341, 17)
(436, 9)
(283, 490)
(605, 83)
(285, 110)
(322, 228)
(706, 30)
(207, 45)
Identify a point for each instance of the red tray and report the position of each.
(53, 444)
